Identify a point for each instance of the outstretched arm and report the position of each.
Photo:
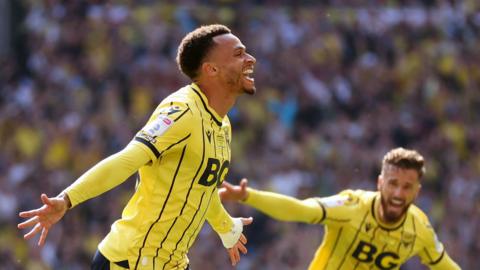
(433, 254)
(445, 263)
(104, 176)
(108, 174)
(275, 205)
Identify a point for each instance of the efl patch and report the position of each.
(335, 201)
(158, 126)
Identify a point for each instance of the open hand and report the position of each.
(234, 252)
(229, 192)
(43, 218)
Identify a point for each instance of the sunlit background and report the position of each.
(339, 83)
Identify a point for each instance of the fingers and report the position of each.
(43, 236)
(36, 216)
(227, 185)
(45, 199)
(34, 231)
(242, 248)
(243, 239)
(28, 223)
(32, 213)
(234, 252)
(234, 255)
(247, 221)
(244, 184)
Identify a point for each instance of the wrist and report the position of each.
(247, 194)
(66, 199)
(229, 239)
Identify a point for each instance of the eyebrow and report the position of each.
(396, 180)
(240, 47)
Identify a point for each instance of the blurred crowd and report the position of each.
(338, 85)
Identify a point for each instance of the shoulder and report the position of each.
(175, 106)
(346, 206)
(425, 231)
(174, 112)
(421, 220)
(348, 197)
(419, 216)
(182, 97)
(358, 196)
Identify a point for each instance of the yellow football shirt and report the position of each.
(354, 237)
(189, 149)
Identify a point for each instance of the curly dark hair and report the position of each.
(195, 46)
(405, 159)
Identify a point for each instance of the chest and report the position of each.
(387, 249)
(213, 152)
(216, 141)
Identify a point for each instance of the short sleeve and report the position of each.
(169, 125)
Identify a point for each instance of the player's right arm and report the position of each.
(147, 146)
(277, 206)
(104, 176)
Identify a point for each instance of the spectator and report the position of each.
(337, 83)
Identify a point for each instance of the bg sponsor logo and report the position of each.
(214, 172)
(366, 252)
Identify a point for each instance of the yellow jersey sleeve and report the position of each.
(169, 125)
(107, 174)
(433, 253)
(217, 216)
(285, 208)
(338, 208)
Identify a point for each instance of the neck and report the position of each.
(380, 213)
(219, 98)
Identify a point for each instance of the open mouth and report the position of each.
(247, 74)
(396, 204)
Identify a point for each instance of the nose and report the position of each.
(399, 193)
(251, 59)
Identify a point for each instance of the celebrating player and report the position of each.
(182, 154)
(364, 229)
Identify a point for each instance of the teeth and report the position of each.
(397, 202)
(248, 71)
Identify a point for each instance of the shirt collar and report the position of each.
(207, 107)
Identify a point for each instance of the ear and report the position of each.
(209, 69)
(379, 182)
(418, 191)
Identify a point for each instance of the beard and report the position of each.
(392, 216)
(237, 81)
(250, 91)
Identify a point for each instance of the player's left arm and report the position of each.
(445, 263)
(278, 206)
(434, 254)
(229, 229)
